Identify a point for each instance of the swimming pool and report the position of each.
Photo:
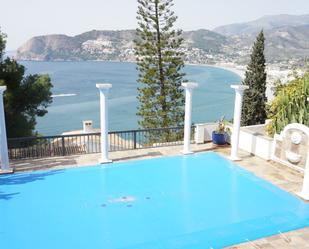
(183, 202)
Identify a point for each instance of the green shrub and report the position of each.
(290, 105)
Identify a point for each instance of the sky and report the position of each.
(23, 19)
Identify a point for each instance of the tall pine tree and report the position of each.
(254, 105)
(160, 63)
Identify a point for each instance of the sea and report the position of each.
(76, 98)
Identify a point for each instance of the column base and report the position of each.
(303, 196)
(187, 152)
(6, 171)
(105, 161)
(234, 158)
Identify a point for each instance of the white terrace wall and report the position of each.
(255, 142)
(250, 138)
(203, 132)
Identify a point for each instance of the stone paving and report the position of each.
(281, 176)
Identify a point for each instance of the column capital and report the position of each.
(189, 85)
(240, 88)
(2, 89)
(104, 86)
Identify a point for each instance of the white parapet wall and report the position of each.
(251, 138)
(203, 132)
(254, 140)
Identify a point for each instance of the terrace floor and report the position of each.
(281, 176)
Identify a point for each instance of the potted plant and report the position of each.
(219, 136)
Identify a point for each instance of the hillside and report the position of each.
(282, 44)
(92, 45)
(287, 41)
(266, 23)
(205, 40)
(109, 45)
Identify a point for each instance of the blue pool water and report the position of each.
(184, 202)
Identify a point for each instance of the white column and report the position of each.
(239, 91)
(5, 166)
(305, 190)
(188, 116)
(104, 89)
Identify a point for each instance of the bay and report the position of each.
(76, 98)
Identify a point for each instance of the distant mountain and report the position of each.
(205, 40)
(288, 42)
(92, 45)
(107, 45)
(287, 39)
(284, 43)
(266, 23)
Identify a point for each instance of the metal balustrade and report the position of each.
(64, 145)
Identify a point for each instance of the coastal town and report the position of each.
(230, 60)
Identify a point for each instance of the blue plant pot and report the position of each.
(219, 138)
